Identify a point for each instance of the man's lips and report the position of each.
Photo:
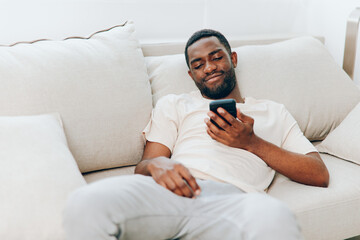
(212, 77)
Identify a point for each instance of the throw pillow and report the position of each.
(301, 74)
(343, 142)
(168, 74)
(99, 85)
(37, 172)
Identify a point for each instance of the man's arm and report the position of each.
(171, 175)
(303, 168)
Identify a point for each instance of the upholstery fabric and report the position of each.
(169, 74)
(37, 172)
(325, 213)
(301, 74)
(99, 85)
(344, 141)
(97, 175)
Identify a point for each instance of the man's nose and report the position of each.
(209, 67)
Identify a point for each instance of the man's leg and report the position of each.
(126, 207)
(225, 212)
(135, 207)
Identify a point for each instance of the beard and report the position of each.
(220, 91)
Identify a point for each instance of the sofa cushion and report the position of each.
(344, 141)
(325, 213)
(95, 176)
(299, 73)
(37, 172)
(99, 86)
(168, 74)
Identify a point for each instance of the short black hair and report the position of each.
(205, 33)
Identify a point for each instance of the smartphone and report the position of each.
(228, 104)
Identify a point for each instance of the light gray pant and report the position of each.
(136, 207)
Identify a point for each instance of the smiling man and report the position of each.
(197, 181)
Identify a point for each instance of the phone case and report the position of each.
(228, 104)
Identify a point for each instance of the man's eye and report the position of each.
(218, 58)
(197, 66)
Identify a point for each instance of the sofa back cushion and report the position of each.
(168, 74)
(300, 73)
(99, 85)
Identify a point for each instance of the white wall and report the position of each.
(328, 18)
(156, 20)
(176, 20)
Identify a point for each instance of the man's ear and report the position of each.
(190, 74)
(234, 59)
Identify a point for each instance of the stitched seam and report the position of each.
(41, 40)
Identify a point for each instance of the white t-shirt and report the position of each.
(177, 122)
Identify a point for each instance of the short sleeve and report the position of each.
(293, 138)
(163, 125)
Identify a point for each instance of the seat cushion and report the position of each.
(98, 175)
(99, 85)
(325, 213)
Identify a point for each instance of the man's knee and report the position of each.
(84, 216)
(105, 195)
(273, 208)
(270, 218)
(81, 203)
(99, 209)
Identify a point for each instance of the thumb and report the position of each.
(243, 117)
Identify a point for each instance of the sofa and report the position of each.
(72, 112)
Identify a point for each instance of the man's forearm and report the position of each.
(142, 167)
(153, 151)
(308, 169)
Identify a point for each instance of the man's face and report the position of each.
(211, 68)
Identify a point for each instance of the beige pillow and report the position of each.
(299, 73)
(168, 74)
(303, 75)
(99, 86)
(37, 172)
(344, 141)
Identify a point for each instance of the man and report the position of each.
(202, 182)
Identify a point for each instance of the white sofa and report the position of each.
(75, 109)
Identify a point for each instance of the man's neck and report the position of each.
(235, 94)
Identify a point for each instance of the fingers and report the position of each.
(229, 120)
(189, 179)
(215, 137)
(243, 117)
(238, 131)
(223, 125)
(179, 186)
(179, 181)
(227, 116)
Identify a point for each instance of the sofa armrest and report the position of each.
(352, 29)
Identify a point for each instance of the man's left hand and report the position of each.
(238, 132)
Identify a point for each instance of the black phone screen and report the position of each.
(228, 104)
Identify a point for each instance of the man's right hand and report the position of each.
(173, 176)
